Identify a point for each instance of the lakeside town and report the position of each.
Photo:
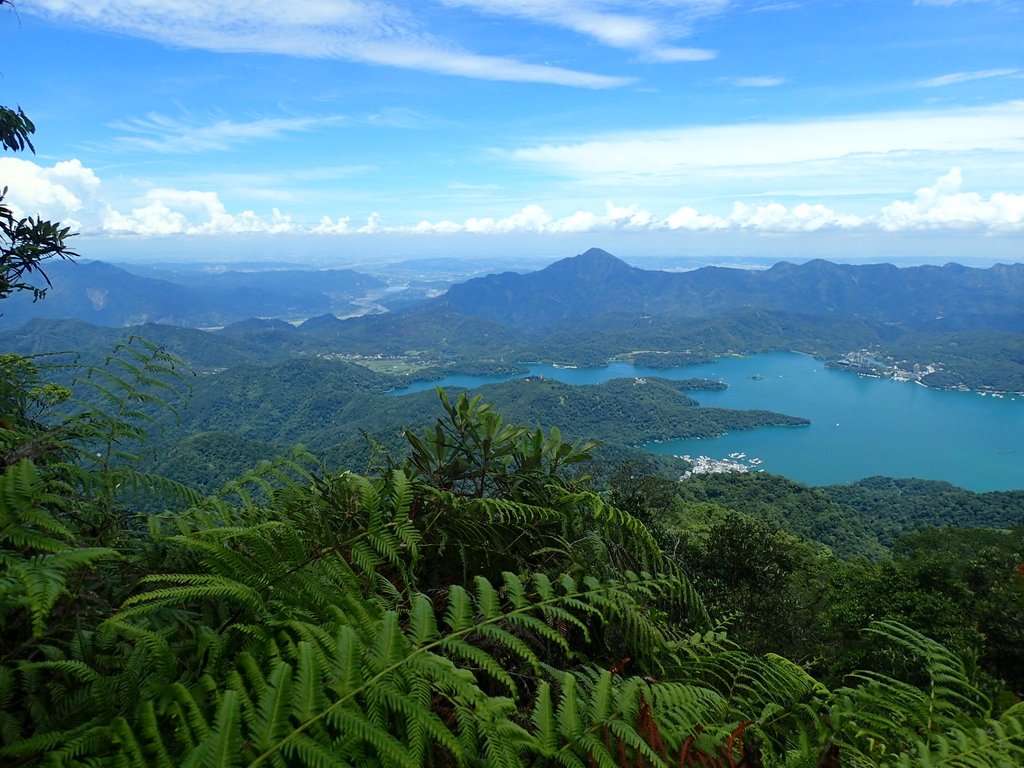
(865, 362)
(870, 364)
(705, 465)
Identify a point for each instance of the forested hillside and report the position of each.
(342, 410)
(469, 600)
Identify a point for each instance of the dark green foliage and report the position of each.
(328, 405)
(307, 401)
(475, 606)
(297, 633)
(207, 461)
(979, 360)
(16, 129)
(807, 512)
(623, 411)
(947, 721)
(958, 584)
(431, 333)
(204, 352)
(695, 339)
(892, 506)
(767, 583)
(781, 592)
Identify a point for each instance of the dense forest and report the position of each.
(473, 599)
(479, 591)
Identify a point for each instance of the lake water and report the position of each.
(859, 426)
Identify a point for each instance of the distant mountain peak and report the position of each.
(596, 253)
(591, 261)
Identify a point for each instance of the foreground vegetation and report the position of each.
(471, 602)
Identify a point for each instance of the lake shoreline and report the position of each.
(860, 426)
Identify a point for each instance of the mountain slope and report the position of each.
(104, 294)
(594, 283)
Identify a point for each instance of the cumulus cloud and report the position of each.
(942, 206)
(72, 193)
(369, 31)
(163, 134)
(61, 191)
(945, 205)
(534, 219)
(188, 212)
(329, 226)
(372, 226)
(770, 217)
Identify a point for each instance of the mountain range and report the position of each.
(593, 284)
(950, 297)
(104, 294)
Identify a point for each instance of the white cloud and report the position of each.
(189, 212)
(159, 133)
(369, 31)
(672, 54)
(761, 81)
(329, 226)
(770, 217)
(61, 192)
(692, 219)
(446, 61)
(774, 7)
(532, 218)
(942, 206)
(946, 206)
(372, 225)
(965, 77)
(643, 27)
(683, 152)
(73, 194)
(803, 217)
(444, 227)
(949, 3)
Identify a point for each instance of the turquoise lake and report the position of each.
(859, 426)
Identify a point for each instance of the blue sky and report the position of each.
(719, 126)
